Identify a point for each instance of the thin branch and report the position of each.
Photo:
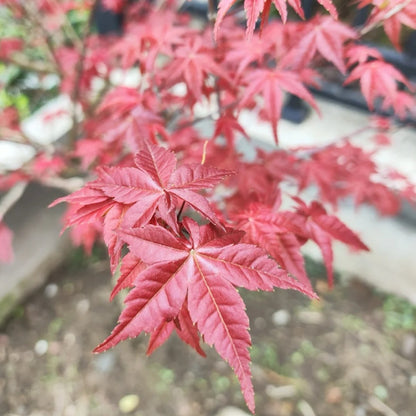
(309, 152)
(68, 185)
(9, 135)
(100, 95)
(23, 62)
(68, 28)
(212, 16)
(381, 407)
(391, 13)
(210, 116)
(33, 18)
(180, 211)
(78, 76)
(11, 197)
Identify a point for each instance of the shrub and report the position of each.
(186, 216)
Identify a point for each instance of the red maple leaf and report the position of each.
(192, 63)
(154, 183)
(253, 8)
(323, 228)
(358, 54)
(143, 41)
(271, 84)
(228, 126)
(321, 35)
(404, 104)
(127, 116)
(203, 271)
(132, 195)
(377, 79)
(274, 232)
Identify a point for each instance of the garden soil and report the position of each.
(353, 353)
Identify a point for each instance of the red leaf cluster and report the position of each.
(189, 207)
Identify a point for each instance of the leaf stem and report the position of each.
(180, 211)
(212, 16)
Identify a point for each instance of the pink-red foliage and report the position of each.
(188, 219)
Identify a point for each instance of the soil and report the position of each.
(353, 353)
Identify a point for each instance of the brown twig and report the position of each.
(100, 95)
(67, 27)
(34, 20)
(381, 407)
(212, 16)
(18, 137)
(11, 197)
(178, 216)
(23, 62)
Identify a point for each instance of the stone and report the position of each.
(129, 403)
(232, 411)
(281, 317)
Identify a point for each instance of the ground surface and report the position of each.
(351, 354)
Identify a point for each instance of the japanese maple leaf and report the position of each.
(244, 52)
(253, 8)
(271, 84)
(127, 116)
(6, 249)
(192, 62)
(155, 183)
(404, 104)
(377, 79)
(94, 213)
(144, 41)
(227, 126)
(393, 14)
(322, 35)
(323, 228)
(132, 195)
(204, 272)
(358, 54)
(88, 151)
(275, 233)
(84, 235)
